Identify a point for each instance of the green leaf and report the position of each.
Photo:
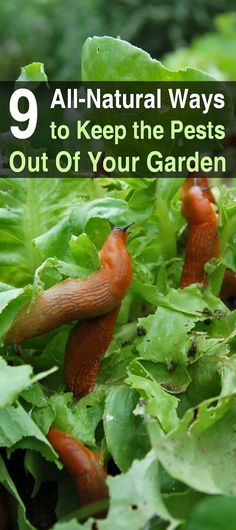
(195, 452)
(204, 374)
(84, 252)
(11, 301)
(216, 513)
(228, 375)
(159, 403)
(33, 72)
(67, 496)
(114, 210)
(135, 497)
(8, 483)
(142, 204)
(31, 207)
(114, 366)
(7, 294)
(18, 430)
(126, 433)
(39, 468)
(79, 419)
(192, 300)
(35, 395)
(43, 417)
(128, 64)
(167, 336)
(54, 271)
(181, 503)
(172, 377)
(167, 228)
(54, 242)
(14, 379)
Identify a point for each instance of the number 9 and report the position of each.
(31, 115)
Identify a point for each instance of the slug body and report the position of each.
(87, 343)
(203, 183)
(203, 240)
(78, 299)
(84, 466)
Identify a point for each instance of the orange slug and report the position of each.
(87, 343)
(203, 240)
(84, 466)
(202, 182)
(78, 299)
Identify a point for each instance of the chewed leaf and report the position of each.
(159, 403)
(166, 336)
(116, 210)
(81, 418)
(33, 72)
(201, 452)
(135, 498)
(129, 63)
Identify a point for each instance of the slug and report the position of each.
(84, 466)
(87, 343)
(203, 240)
(202, 182)
(78, 299)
